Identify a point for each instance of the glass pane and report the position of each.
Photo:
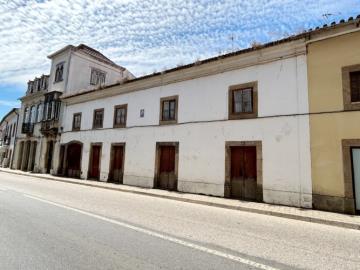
(237, 96)
(247, 100)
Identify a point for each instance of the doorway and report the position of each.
(72, 160)
(117, 163)
(167, 166)
(243, 176)
(49, 156)
(243, 172)
(355, 157)
(94, 164)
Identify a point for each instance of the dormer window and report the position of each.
(97, 77)
(59, 72)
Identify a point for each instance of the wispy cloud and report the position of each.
(9, 103)
(148, 35)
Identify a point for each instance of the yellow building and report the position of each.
(334, 100)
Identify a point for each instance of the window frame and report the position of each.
(121, 125)
(56, 79)
(102, 120)
(346, 85)
(97, 77)
(243, 115)
(171, 121)
(73, 123)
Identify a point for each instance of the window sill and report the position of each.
(168, 122)
(234, 116)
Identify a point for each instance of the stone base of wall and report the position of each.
(287, 198)
(201, 188)
(333, 204)
(138, 181)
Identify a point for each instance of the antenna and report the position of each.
(232, 38)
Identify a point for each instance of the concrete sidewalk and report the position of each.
(321, 217)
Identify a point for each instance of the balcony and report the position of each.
(27, 128)
(49, 127)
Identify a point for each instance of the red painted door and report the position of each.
(243, 172)
(167, 178)
(73, 160)
(116, 171)
(95, 162)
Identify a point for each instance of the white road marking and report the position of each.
(161, 236)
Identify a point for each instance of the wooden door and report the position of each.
(243, 172)
(73, 160)
(94, 170)
(116, 169)
(356, 176)
(167, 177)
(50, 150)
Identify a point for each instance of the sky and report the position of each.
(145, 36)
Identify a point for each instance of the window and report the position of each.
(33, 114)
(39, 112)
(243, 101)
(98, 118)
(120, 113)
(168, 110)
(97, 77)
(26, 115)
(355, 86)
(351, 87)
(59, 72)
(76, 121)
(14, 130)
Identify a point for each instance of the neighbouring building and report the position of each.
(73, 70)
(334, 98)
(8, 127)
(234, 126)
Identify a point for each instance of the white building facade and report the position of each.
(73, 69)
(236, 126)
(8, 127)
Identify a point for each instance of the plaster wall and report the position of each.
(203, 129)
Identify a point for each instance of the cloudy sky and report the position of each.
(145, 36)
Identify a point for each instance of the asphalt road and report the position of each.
(53, 225)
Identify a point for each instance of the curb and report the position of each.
(219, 205)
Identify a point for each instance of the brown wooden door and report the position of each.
(73, 160)
(116, 170)
(94, 170)
(243, 172)
(167, 177)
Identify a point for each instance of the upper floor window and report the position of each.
(76, 121)
(243, 101)
(26, 115)
(120, 113)
(30, 87)
(59, 72)
(33, 114)
(98, 118)
(97, 77)
(39, 112)
(168, 110)
(355, 86)
(14, 130)
(351, 87)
